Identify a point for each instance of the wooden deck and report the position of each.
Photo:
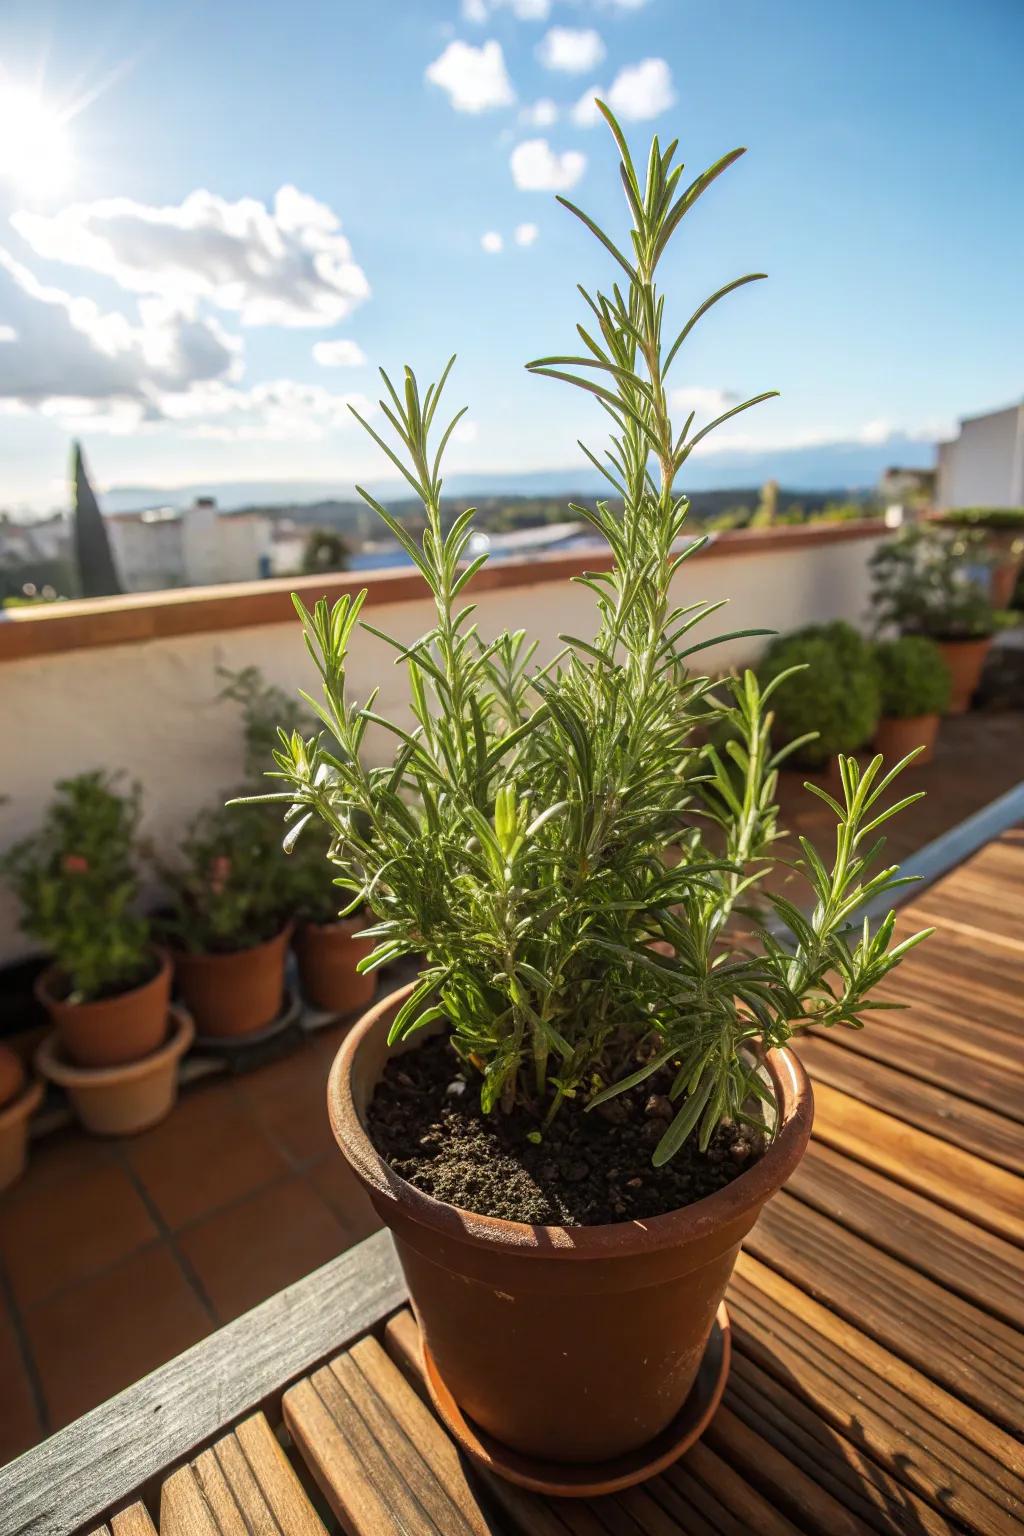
(877, 1380)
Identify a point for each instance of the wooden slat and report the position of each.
(976, 1189)
(133, 1521)
(975, 1356)
(934, 1110)
(377, 1452)
(241, 1485)
(103, 1458)
(942, 1450)
(952, 988)
(954, 1252)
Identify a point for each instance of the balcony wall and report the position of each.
(131, 682)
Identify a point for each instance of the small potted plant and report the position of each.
(914, 684)
(107, 990)
(108, 987)
(229, 922)
(924, 583)
(827, 700)
(1003, 531)
(19, 1099)
(568, 1131)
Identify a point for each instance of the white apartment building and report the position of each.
(983, 466)
(200, 547)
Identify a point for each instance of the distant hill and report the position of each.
(836, 468)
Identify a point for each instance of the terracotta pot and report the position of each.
(896, 736)
(118, 1101)
(573, 1344)
(12, 1075)
(965, 661)
(113, 1029)
(328, 954)
(233, 994)
(14, 1118)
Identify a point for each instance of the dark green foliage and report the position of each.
(913, 679)
(525, 839)
(325, 550)
(227, 890)
(924, 583)
(97, 573)
(993, 519)
(77, 884)
(835, 695)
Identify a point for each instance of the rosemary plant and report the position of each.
(542, 828)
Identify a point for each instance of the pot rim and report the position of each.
(65, 1074)
(339, 925)
(24, 1105)
(44, 995)
(795, 1106)
(201, 956)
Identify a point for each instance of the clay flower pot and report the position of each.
(17, 1104)
(965, 660)
(111, 1030)
(118, 1101)
(571, 1344)
(328, 954)
(236, 993)
(896, 736)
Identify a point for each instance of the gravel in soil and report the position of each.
(426, 1122)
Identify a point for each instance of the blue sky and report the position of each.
(175, 331)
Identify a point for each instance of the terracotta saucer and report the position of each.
(568, 1480)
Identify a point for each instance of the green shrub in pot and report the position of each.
(912, 677)
(831, 703)
(525, 840)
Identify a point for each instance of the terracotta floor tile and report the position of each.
(20, 1426)
(54, 1156)
(98, 1337)
(288, 1100)
(59, 1230)
(265, 1242)
(335, 1182)
(206, 1155)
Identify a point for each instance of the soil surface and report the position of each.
(425, 1120)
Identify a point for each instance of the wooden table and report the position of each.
(877, 1382)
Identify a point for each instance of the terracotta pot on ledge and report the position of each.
(567, 1344)
(110, 1030)
(327, 955)
(237, 993)
(898, 735)
(965, 662)
(18, 1102)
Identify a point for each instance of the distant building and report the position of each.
(162, 547)
(983, 466)
(908, 487)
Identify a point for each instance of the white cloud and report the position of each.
(704, 400)
(571, 50)
(526, 234)
(492, 242)
(467, 431)
(638, 92)
(288, 265)
(537, 168)
(543, 113)
(343, 353)
(523, 10)
(281, 411)
(475, 78)
(475, 11)
(65, 349)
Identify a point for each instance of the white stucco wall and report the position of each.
(984, 465)
(151, 708)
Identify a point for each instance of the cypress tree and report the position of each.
(97, 573)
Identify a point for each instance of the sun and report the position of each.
(35, 150)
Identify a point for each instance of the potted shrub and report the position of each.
(18, 1101)
(568, 1132)
(328, 947)
(1003, 530)
(914, 684)
(827, 700)
(229, 923)
(923, 584)
(108, 987)
(116, 1045)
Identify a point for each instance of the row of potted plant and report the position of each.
(1002, 530)
(217, 936)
